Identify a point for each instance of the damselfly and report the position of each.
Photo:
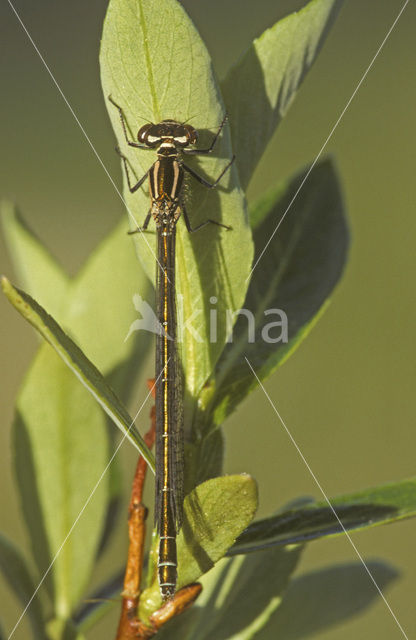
(170, 139)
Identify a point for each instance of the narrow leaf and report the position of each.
(38, 271)
(369, 508)
(215, 513)
(317, 601)
(15, 570)
(150, 51)
(290, 284)
(261, 86)
(73, 357)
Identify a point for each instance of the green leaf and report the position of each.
(261, 86)
(61, 451)
(103, 293)
(246, 595)
(150, 51)
(104, 289)
(14, 568)
(215, 513)
(369, 508)
(296, 274)
(73, 357)
(319, 600)
(38, 271)
(203, 459)
(63, 630)
(99, 602)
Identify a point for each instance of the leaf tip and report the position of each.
(5, 284)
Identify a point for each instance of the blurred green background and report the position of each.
(347, 395)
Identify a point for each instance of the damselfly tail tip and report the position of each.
(167, 591)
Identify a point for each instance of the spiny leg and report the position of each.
(132, 188)
(195, 152)
(136, 145)
(209, 185)
(144, 227)
(202, 224)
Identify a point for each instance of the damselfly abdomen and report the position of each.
(170, 139)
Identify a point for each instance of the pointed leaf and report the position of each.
(102, 294)
(297, 272)
(14, 568)
(261, 86)
(103, 289)
(73, 357)
(369, 508)
(214, 514)
(38, 271)
(61, 450)
(150, 51)
(319, 600)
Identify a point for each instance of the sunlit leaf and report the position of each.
(61, 451)
(361, 510)
(214, 514)
(150, 51)
(260, 88)
(73, 357)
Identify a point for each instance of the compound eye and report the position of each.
(144, 136)
(191, 133)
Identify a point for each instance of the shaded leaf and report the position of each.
(38, 271)
(150, 51)
(99, 602)
(73, 357)
(204, 459)
(321, 599)
(63, 630)
(104, 294)
(246, 595)
(259, 89)
(61, 450)
(361, 510)
(15, 570)
(214, 514)
(296, 274)
(102, 291)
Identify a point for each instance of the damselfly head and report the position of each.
(181, 135)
